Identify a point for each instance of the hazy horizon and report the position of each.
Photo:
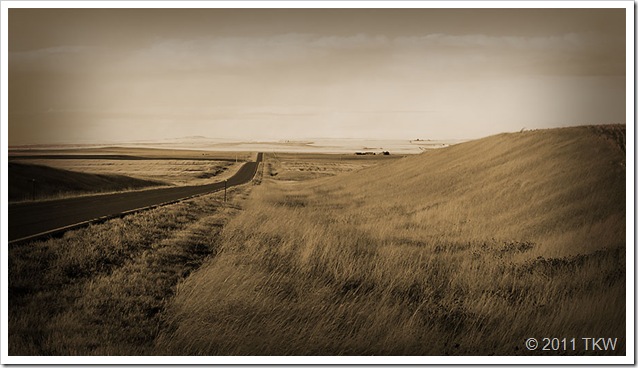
(83, 76)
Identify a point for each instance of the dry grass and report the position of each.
(144, 152)
(55, 183)
(175, 172)
(101, 290)
(71, 172)
(463, 250)
(305, 166)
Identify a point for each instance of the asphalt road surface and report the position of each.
(30, 219)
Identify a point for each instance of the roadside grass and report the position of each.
(101, 290)
(466, 250)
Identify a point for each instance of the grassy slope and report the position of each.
(51, 182)
(545, 186)
(464, 250)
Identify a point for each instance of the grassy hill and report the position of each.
(469, 250)
(51, 182)
(550, 187)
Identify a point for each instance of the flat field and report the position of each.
(175, 172)
(305, 166)
(46, 173)
(136, 152)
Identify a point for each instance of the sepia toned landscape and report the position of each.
(324, 254)
(365, 182)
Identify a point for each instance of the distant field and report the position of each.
(176, 172)
(304, 166)
(135, 152)
(220, 148)
(336, 146)
(144, 167)
(67, 172)
(33, 182)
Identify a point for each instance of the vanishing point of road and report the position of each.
(27, 220)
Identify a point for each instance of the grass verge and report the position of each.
(101, 290)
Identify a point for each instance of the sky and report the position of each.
(120, 75)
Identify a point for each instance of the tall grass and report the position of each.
(101, 290)
(464, 250)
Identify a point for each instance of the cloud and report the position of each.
(51, 51)
(291, 48)
(565, 54)
(585, 52)
(242, 52)
(570, 41)
(59, 58)
(222, 52)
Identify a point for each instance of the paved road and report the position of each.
(29, 219)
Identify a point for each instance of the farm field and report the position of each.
(49, 174)
(305, 166)
(465, 250)
(311, 145)
(204, 147)
(172, 172)
(136, 152)
(29, 181)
